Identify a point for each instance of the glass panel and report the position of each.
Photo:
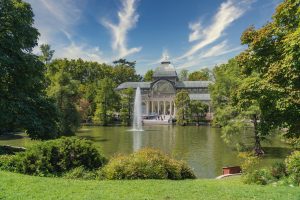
(162, 88)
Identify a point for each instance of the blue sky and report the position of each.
(194, 33)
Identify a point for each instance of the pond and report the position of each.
(201, 147)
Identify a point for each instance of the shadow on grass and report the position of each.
(11, 136)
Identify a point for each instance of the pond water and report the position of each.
(201, 147)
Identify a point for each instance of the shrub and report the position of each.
(80, 173)
(55, 157)
(251, 172)
(259, 176)
(146, 164)
(250, 162)
(278, 170)
(8, 162)
(292, 163)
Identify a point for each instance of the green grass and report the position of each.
(16, 186)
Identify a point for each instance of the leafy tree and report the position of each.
(201, 75)
(127, 99)
(149, 75)
(64, 90)
(233, 112)
(107, 102)
(85, 110)
(198, 109)
(182, 103)
(47, 53)
(23, 103)
(271, 63)
(124, 71)
(184, 74)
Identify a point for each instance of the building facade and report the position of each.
(158, 96)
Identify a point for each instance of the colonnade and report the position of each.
(160, 107)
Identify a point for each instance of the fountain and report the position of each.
(137, 114)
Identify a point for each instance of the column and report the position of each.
(174, 109)
(170, 107)
(164, 107)
(147, 107)
(158, 107)
(152, 107)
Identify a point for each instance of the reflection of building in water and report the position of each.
(158, 96)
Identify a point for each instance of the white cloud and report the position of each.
(74, 51)
(220, 49)
(55, 20)
(197, 32)
(128, 18)
(228, 12)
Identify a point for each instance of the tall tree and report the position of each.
(124, 71)
(198, 109)
(271, 63)
(107, 102)
(149, 75)
(127, 99)
(123, 61)
(65, 92)
(182, 103)
(23, 102)
(47, 53)
(233, 112)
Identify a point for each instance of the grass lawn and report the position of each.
(16, 186)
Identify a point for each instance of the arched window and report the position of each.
(162, 88)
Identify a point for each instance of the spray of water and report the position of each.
(137, 114)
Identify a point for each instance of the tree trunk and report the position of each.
(257, 146)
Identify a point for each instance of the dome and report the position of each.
(165, 69)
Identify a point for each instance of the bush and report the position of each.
(55, 157)
(278, 170)
(8, 162)
(259, 176)
(146, 164)
(292, 163)
(250, 162)
(80, 173)
(251, 172)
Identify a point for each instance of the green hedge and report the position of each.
(146, 164)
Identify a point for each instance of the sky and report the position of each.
(194, 34)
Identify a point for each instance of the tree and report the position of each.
(233, 111)
(127, 99)
(122, 61)
(271, 63)
(201, 75)
(47, 53)
(124, 71)
(182, 103)
(23, 102)
(183, 76)
(65, 92)
(149, 75)
(107, 101)
(198, 109)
